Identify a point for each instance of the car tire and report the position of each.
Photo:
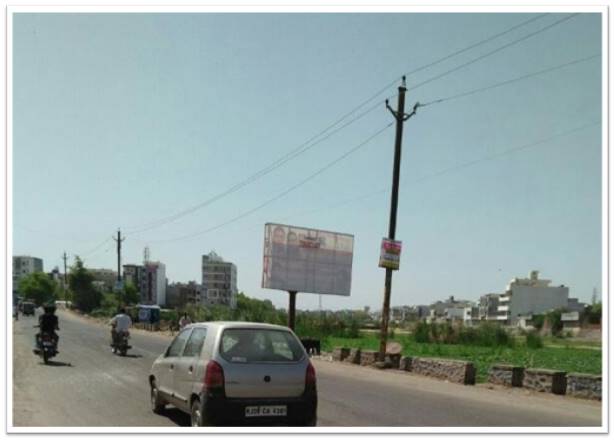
(157, 405)
(197, 416)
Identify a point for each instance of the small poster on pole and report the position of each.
(390, 255)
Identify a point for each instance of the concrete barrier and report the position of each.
(456, 371)
(368, 358)
(353, 357)
(545, 380)
(584, 386)
(506, 375)
(405, 363)
(340, 354)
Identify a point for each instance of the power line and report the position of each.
(89, 253)
(510, 81)
(305, 146)
(253, 178)
(451, 169)
(494, 51)
(285, 192)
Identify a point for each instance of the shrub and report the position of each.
(534, 340)
(422, 333)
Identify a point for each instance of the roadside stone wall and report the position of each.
(394, 360)
(456, 371)
(584, 386)
(545, 380)
(405, 363)
(340, 354)
(506, 374)
(368, 358)
(353, 357)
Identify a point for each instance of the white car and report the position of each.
(235, 373)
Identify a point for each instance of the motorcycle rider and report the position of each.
(120, 323)
(48, 323)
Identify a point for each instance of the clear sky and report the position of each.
(124, 119)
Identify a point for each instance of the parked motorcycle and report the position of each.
(120, 344)
(47, 346)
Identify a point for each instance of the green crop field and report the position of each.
(566, 358)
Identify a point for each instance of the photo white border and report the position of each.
(320, 7)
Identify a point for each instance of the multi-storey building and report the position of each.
(134, 275)
(489, 306)
(153, 285)
(149, 279)
(178, 295)
(105, 279)
(524, 297)
(219, 285)
(24, 265)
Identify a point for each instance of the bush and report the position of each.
(534, 340)
(422, 333)
(486, 334)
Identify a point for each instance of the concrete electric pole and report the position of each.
(119, 241)
(400, 117)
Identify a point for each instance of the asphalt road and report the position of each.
(86, 385)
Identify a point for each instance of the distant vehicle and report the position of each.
(28, 308)
(234, 372)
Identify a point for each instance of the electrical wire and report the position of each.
(510, 81)
(283, 193)
(305, 146)
(494, 51)
(253, 177)
(448, 170)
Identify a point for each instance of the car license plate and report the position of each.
(265, 411)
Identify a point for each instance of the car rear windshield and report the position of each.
(260, 346)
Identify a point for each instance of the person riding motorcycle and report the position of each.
(48, 324)
(120, 323)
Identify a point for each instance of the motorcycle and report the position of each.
(120, 343)
(47, 346)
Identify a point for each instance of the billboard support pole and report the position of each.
(400, 117)
(292, 309)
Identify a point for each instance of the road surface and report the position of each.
(86, 385)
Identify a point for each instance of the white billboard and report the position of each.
(307, 260)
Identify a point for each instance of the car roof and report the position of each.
(229, 324)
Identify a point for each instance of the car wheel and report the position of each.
(197, 417)
(157, 405)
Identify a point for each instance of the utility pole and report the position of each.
(119, 241)
(64, 257)
(400, 117)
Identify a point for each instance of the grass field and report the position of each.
(567, 358)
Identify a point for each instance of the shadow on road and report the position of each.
(57, 364)
(178, 417)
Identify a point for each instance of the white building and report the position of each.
(219, 285)
(23, 266)
(153, 284)
(533, 295)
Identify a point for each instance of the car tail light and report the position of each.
(310, 376)
(214, 376)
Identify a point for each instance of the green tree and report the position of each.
(38, 287)
(85, 296)
(129, 295)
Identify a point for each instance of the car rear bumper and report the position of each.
(231, 411)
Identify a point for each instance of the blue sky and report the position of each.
(123, 119)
